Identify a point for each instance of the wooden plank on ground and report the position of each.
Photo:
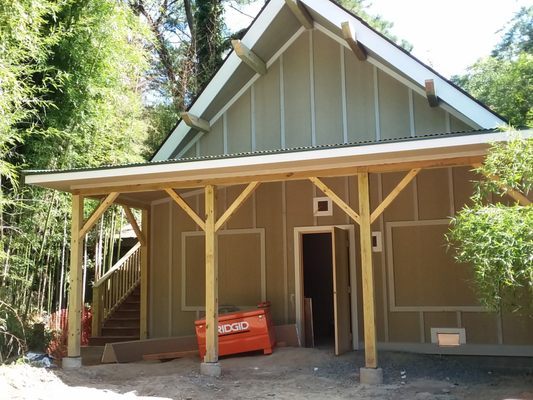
(123, 352)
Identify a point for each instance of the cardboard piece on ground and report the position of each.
(123, 352)
(287, 334)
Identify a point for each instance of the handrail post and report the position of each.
(97, 312)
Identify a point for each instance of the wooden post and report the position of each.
(97, 312)
(371, 360)
(75, 303)
(145, 252)
(211, 277)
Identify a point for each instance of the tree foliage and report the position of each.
(504, 81)
(497, 240)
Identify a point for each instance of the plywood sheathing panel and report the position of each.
(433, 194)
(182, 321)
(403, 207)
(517, 329)
(424, 272)
(299, 213)
(239, 125)
(480, 327)
(269, 216)
(297, 93)
(457, 125)
(393, 107)
(212, 142)
(359, 99)
(267, 110)
(404, 327)
(159, 271)
(463, 187)
(427, 119)
(243, 217)
(195, 271)
(327, 78)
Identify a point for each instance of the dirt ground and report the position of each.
(289, 373)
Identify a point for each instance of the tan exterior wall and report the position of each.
(418, 286)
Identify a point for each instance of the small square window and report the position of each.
(322, 206)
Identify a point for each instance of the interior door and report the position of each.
(341, 291)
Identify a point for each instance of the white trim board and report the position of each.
(262, 255)
(390, 270)
(298, 275)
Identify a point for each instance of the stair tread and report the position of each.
(123, 319)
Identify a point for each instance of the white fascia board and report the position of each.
(278, 161)
(407, 64)
(219, 80)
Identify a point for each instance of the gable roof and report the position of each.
(272, 32)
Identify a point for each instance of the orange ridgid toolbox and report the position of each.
(241, 332)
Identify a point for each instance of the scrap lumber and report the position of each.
(169, 355)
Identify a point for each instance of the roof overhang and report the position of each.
(277, 166)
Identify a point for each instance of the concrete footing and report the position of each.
(210, 369)
(71, 362)
(371, 376)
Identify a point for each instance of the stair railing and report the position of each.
(115, 286)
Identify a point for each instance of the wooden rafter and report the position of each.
(232, 209)
(335, 198)
(195, 122)
(349, 35)
(185, 207)
(134, 225)
(249, 57)
(431, 93)
(104, 205)
(394, 193)
(301, 13)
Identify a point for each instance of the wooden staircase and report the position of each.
(123, 324)
(117, 302)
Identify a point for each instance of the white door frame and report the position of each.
(298, 271)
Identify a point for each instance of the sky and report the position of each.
(448, 35)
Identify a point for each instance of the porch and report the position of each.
(140, 186)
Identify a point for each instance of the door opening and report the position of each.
(317, 260)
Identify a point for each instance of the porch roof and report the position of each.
(277, 165)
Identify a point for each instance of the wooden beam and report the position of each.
(185, 207)
(194, 122)
(232, 209)
(134, 225)
(516, 195)
(211, 278)
(145, 269)
(104, 205)
(335, 198)
(369, 319)
(75, 302)
(301, 13)
(249, 57)
(394, 193)
(269, 176)
(431, 93)
(349, 35)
